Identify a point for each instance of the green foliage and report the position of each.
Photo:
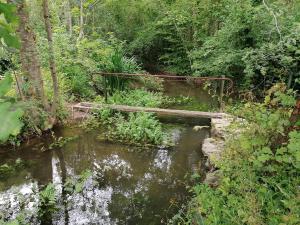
(47, 203)
(7, 24)
(118, 63)
(238, 39)
(260, 169)
(9, 112)
(133, 128)
(20, 220)
(79, 82)
(138, 128)
(138, 97)
(79, 62)
(59, 142)
(11, 121)
(35, 119)
(274, 63)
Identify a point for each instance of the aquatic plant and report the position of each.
(137, 128)
(59, 142)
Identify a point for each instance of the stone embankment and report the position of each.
(213, 146)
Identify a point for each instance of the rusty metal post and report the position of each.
(105, 88)
(222, 94)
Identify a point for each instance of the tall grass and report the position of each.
(119, 63)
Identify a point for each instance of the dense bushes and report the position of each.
(260, 170)
(274, 63)
(90, 56)
(211, 38)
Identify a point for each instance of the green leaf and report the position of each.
(5, 85)
(10, 121)
(9, 39)
(6, 26)
(9, 12)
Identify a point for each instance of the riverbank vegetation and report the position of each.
(134, 128)
(52, 51)
(259, 169)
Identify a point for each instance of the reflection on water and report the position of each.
(125, 186)
(201, 100)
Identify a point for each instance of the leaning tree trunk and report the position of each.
(51, 58)
(31, 67)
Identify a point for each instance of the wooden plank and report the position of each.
(159, 111)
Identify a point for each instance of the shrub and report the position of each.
(79, 82)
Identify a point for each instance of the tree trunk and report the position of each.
(51, 58)
(29, 56)
(290, 80)
(68, 15)
(81, 23)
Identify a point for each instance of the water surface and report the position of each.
(125, 186)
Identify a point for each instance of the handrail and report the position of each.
(170, 76)
(178, 78)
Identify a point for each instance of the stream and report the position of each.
(124, 185)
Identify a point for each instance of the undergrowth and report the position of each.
(260, 170)
(138, 97)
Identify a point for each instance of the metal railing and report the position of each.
(197, 80)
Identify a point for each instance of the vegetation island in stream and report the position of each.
(150, 112)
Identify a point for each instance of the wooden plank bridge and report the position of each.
(89, 107)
